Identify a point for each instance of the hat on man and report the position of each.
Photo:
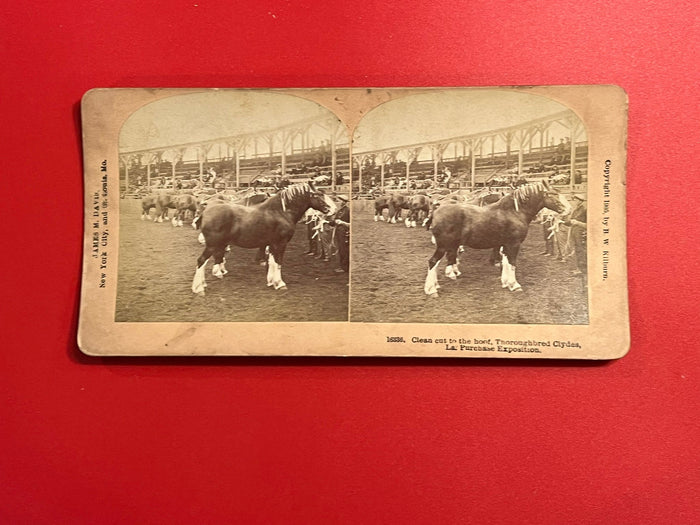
(343, 198)
(579, 196)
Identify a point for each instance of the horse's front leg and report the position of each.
(274, 267)
(199, 283)
(431, 281)
(177, 218)
(509, 255)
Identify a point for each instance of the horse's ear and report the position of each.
(546, 185)
(311, 185)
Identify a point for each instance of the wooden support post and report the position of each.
(271, 140)
(434, 149)
(283, 154)
(200, 158)
(572, 152)
(238, 168)
(521, 147)
(334, 158)
(473, 165)
(542, 145)
(508, 136)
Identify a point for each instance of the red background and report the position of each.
(256, 440)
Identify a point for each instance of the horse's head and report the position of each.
(554, 200)
(318, 200)
(531, 198)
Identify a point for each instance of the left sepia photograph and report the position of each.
(233, 208)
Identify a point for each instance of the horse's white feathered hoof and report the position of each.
(433, 295)
(143, 217)
(450, 273)
(218, 271)
(174, 222)
(381, 218)
(413, 224)
(376, 218)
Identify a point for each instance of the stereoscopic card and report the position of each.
(431, 222)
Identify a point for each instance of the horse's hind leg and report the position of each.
(219, 269)
(274, 267)
(452, 269)
(509, 255)
(199, 282)
(431, 281)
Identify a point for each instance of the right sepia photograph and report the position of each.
(470, 206)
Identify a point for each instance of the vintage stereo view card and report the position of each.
(443, 222)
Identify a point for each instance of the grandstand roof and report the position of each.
(445, 114)
(200, 117)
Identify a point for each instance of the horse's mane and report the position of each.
(524, 193)
(292, 193)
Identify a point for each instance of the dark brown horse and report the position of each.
(246, 198)
(503, 225)
(271, 223)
